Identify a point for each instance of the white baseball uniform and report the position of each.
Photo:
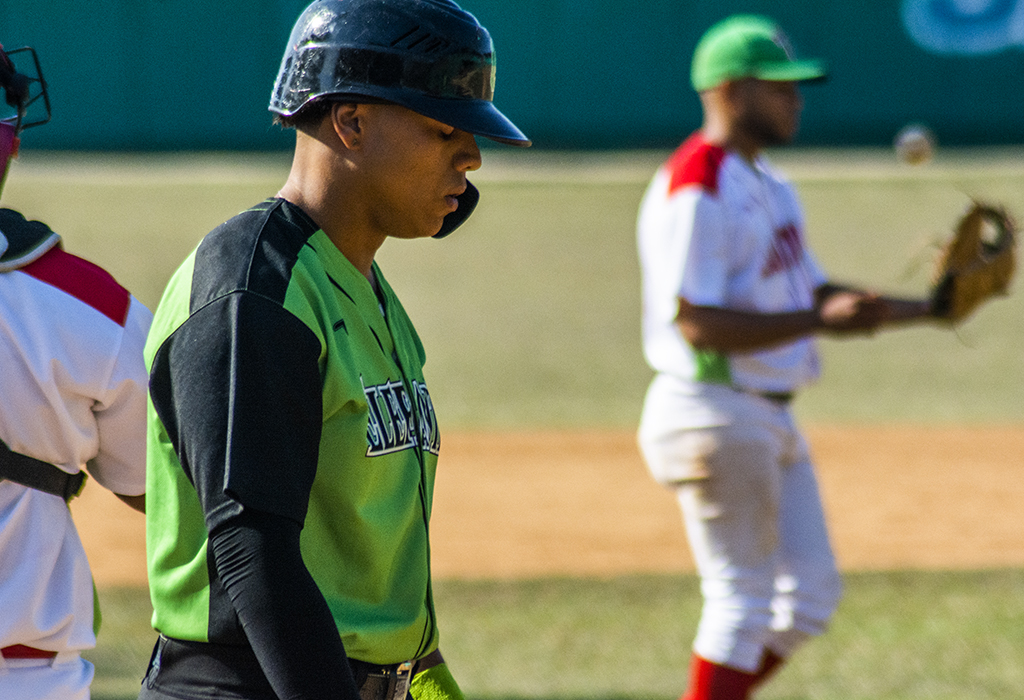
(73, 387)
(719, 231)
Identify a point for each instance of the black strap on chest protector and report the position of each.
(36, 474)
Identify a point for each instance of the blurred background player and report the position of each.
(293, 441)
(72, 396)
(732, 298)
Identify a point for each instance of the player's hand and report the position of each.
(851, 312)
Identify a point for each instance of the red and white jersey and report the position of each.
(720, 231)
(73, 393)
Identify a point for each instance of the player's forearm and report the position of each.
(892, 310)
(903, 311)
(728, 330)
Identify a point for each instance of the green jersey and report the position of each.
(282, 381)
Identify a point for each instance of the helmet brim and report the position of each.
(792, 71)
(477, 117)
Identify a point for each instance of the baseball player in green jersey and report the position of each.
(292, 441)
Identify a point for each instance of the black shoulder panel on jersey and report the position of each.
(254, 251)
(237, 385)
(22, 241)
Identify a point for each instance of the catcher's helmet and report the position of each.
(22, 94)
(430, 56)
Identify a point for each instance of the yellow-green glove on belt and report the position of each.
(435, 683)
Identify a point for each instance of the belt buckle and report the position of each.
(403, 679)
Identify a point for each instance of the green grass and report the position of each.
(530, 312)
(897, 636)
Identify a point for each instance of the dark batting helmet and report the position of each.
(427, 55)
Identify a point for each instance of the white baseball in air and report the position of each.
(914, 144)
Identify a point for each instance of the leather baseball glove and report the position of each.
(976, 264)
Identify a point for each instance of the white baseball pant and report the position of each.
(753, 518)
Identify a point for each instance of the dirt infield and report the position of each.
(581, 503)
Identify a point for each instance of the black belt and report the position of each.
(779, 397)
(185, 669)
(37, 474)
(389, 681)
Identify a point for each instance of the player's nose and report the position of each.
(468, 158)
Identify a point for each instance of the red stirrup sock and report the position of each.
(710, 681)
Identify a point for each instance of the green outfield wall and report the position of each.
(185, 74)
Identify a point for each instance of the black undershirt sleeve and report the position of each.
(282, 612)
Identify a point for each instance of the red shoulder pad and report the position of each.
(696, 162)
(83, 280)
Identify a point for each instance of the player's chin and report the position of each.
(425, 228)
(433, 217)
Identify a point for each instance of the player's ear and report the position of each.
(346, 119)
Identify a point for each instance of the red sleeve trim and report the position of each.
(696, 162)
(83, 280)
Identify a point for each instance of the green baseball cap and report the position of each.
(748, 46)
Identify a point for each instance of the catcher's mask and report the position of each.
(430, 56)
(27, 103)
